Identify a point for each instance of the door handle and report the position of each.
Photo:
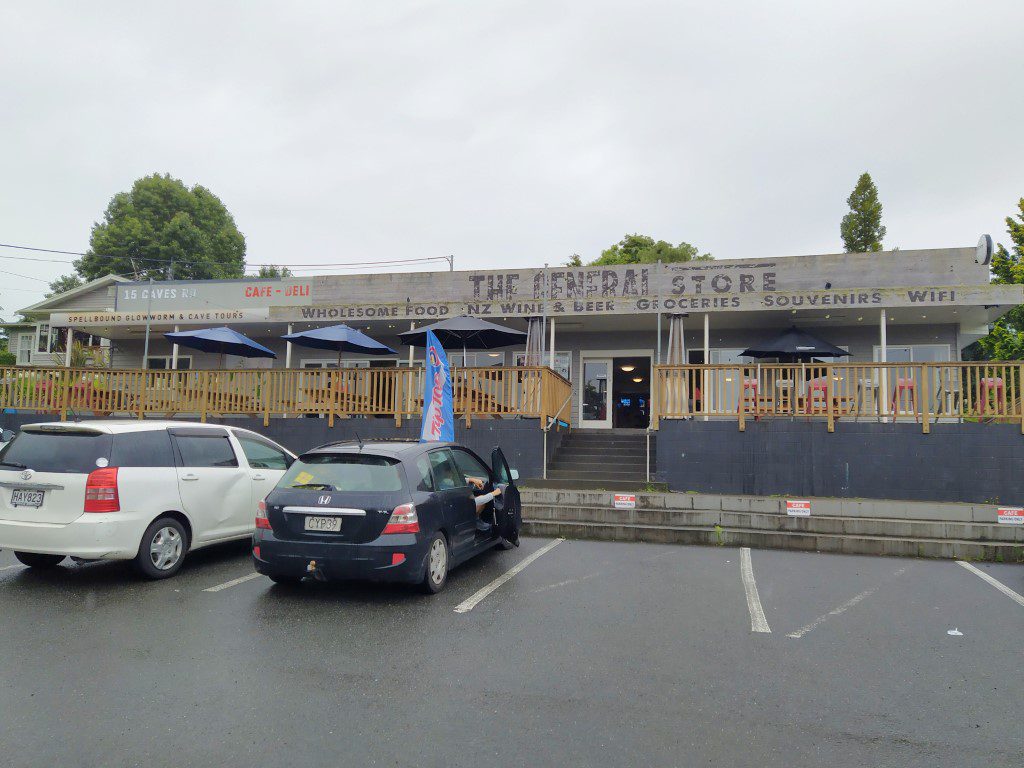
(259, 477)
(189, 477)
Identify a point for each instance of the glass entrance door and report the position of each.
(596, 393)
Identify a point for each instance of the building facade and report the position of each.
(602, 327)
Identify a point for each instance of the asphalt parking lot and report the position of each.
(592, 654)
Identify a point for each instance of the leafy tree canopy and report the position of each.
(270, 270)
(862, 228)
(162, 229)
(1006, 340)
(64, 283)
(642, 249)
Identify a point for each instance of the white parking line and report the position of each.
(840, 609)
(471, 602)
(1017, 598)
(233, 582)
(8, 567)
(758, 623)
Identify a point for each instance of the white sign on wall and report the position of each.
(1010, 515)
(798, 508)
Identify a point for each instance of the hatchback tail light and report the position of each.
(261, 516)
(403, 520)
(101, 491)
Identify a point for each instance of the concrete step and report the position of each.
(818, 524)
(605, 452)
(846, 544)
(560, 485)
(603, 473)
(584, 462)
(855, 526)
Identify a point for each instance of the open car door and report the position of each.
(508, 509)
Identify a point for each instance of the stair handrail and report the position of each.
(550, 422)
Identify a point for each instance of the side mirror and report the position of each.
(515, 474)
(6, 435)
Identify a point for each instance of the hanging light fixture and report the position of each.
(638, 379)
(627, 368)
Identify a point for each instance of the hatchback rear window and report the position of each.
(67, 452)
(343, 472)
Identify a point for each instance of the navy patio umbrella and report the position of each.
(466, 332)
(339, 338)
(222, 341)
(796, 344)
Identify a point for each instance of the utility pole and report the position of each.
(149, 315)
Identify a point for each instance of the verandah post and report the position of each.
(829, 404)
(925, 401)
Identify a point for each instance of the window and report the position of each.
(151, 448)
(63, 450)
(470, 466)
(446, 475)
(914, 353)
(213, 451)
(355, 472)
(24, 348)
(163, 362)
(424, 481)
(43, 337)
(563, 362)
(262, 455)
(481, 359)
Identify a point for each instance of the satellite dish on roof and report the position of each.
(983, 255)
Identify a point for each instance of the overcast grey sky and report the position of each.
(513, 133)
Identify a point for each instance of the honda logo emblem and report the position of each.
(325, 500)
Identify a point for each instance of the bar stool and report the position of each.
(816, 387)
(909, 387)
(750, 385)
(996, 387)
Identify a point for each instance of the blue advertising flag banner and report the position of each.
(438, 413)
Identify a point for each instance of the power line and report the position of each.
(152, 260)
(27, 277)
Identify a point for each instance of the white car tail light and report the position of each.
(101, 491)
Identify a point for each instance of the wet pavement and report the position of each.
(593, 654)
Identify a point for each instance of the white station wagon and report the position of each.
(147, 491)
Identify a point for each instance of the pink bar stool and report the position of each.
(908, 386)
(816, 387)
(749, 385)
(994, 385)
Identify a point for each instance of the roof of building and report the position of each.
(51, 303)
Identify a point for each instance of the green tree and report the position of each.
(862, 228)
(642, 249)
(162, 229)
(271, 270)
(574, 261)
(64, 283)
(1006, 340)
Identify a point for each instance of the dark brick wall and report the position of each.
(520, 439)
(957, 462)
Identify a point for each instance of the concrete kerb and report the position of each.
(835, 525)
(820, 507)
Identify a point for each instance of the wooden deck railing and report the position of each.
(396, 392)
(923, 392)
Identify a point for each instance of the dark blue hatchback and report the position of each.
(385, 511)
